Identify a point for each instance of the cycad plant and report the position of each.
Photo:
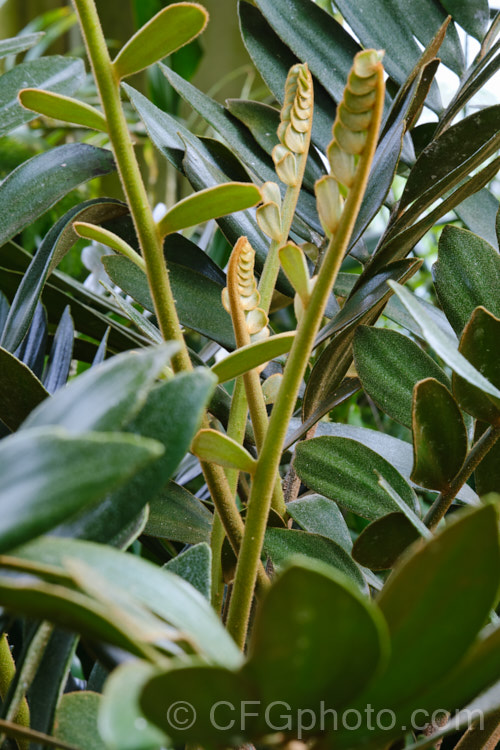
(195, 548)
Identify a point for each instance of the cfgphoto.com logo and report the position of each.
(279, 716)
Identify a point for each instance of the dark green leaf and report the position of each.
(64, 75)
(19, 44)
(105, 397)
(472, 15)
(318, 515)
(34, 186)
(20, 390)
(194, 566)
(59, 474)
(33, 347)
(479, 345)
(439, 435)
(298, 669)
(345, 471)
(389, 365)
(76, 720)
(466, 275)
(283, 544)
(478, 213)
(177, 515)
(165, 594)
(380, 544)
(198, 299)
(60, 355)
(487, 474)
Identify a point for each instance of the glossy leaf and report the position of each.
(164, 593)
(198, 299)
(389, 365)
(60, 474)
(211, 446)
(209, 204)
(466, 275)
(63, 108)
(34, 186)
(179, 516)
(478, 345)
(345, 471)
(121, 722)
(194, 566)
(296, 669)
(439, 435)
(20, 390)
(104, 397)
(380, 544)
(251, 356)
(64, 75)
(171, 28)
(18, 44)
(76, 720)
(283, 544)
(61, 354)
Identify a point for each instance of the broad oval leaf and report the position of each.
(20, 390)
(171, 28)
(194, 565)
(318, 515)
(59, 474)
(439, 435)
(64, 75)
(63, 108)
(211, 446)
(466, 275)
(209, 204)
(76, 720)
(382, 542)
(389, 365)
(177, 515)
(479, 345)
(251, 356)
(346, 471)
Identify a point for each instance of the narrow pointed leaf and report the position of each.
(20, 390)
(251, 356)
(472, 15)
(63, 108)
(345, 471)
(171, 28)
(18, 44)
(215, 447)
(389, 365)
(60, 474)
(479, 345)
(209, 204)
(61, 354)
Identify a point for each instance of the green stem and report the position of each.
(270, 456)
(441, 504)
(236, 425)
(7, 675)
(217, 537)
(131, 179)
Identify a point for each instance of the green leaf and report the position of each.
(478, 345)
(294, 264)
(478, 213)
(209, 204)
(177, 515)
(63, 108)
(183, 399)
(215, 447)
(56, 243)
(76, 720)
(164, 593)
(194, 566)
(463, 561)
(345, 471)
(439, 435)
(472, 15)
(318, 515)
(380, 544)
(20, 390)
(283, 544)
(171, 28)
(34, 186)
(487, 474)
(53, 474)
(251, 356)
(298, 670)
(389, 365)
(121, 722)
(17, 44)
(104, 397)
(198, 299)
(466, 275)
(61, 354)
(442, 345)
(63, 75)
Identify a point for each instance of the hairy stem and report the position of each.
(441, 504)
